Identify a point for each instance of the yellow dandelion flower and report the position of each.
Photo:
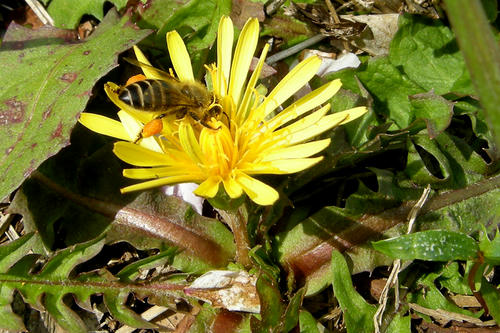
(245, 141)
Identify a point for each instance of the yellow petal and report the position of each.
(160, 172)
(104, 125)
(189, 142)
(306, 103)
(290, 84)
(157, 183)
(140, 156)
(256, 190)
(209, 188)
(233, 189)
(304, 122)
(249, 90)
(321, 126)
(352, 114)
(280, 167)
(150, 74)
(225, 37)
(247, 42)
(296, 151)
(131, 125)
(179, 56)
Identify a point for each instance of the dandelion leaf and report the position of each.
(51, 75)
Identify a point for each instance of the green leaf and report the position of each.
(80, 189)
(47, 289)
(358, 314)
(131, 271)
(490, 248)
(428, 53)
(447, 161)
(263, 261)
(67, 13)
(491, 296)
(392, 90)
(37, 115)
(292, 310)
(13, 251)
(451, 279)
(8, 320)
(434, 245)
(426, 294)
(400, 324)
(115, 302)
(271, 306)
(63, 315)
(472, 109)
(308, 323)
(434, 110)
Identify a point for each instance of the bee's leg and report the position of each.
(202, 121)
(154, 126)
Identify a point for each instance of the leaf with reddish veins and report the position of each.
(226, 322)
(48, 76)
(152, 220)
(310, 257)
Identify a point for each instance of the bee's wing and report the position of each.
(162, 75)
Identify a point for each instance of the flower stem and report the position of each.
(238, 224)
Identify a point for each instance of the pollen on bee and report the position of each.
(153, 127)
(135, 78)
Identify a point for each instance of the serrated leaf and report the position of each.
(115, 302)
(472, 109)
(490, 248)
(60, 266)
(434, 245)
(131, 271)
(428, 53)
(67, 13)
(46, 290)
(358, 314)
(8, 319)
(14, 251)
(37, 114)
(457, 164)
(63, 315)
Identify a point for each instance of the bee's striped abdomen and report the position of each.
(147, 95)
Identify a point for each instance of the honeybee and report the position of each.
(169, 96)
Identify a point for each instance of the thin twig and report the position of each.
(336, 20)
(294, 49)
(273, 6)
(396, 266)
(40, 12)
